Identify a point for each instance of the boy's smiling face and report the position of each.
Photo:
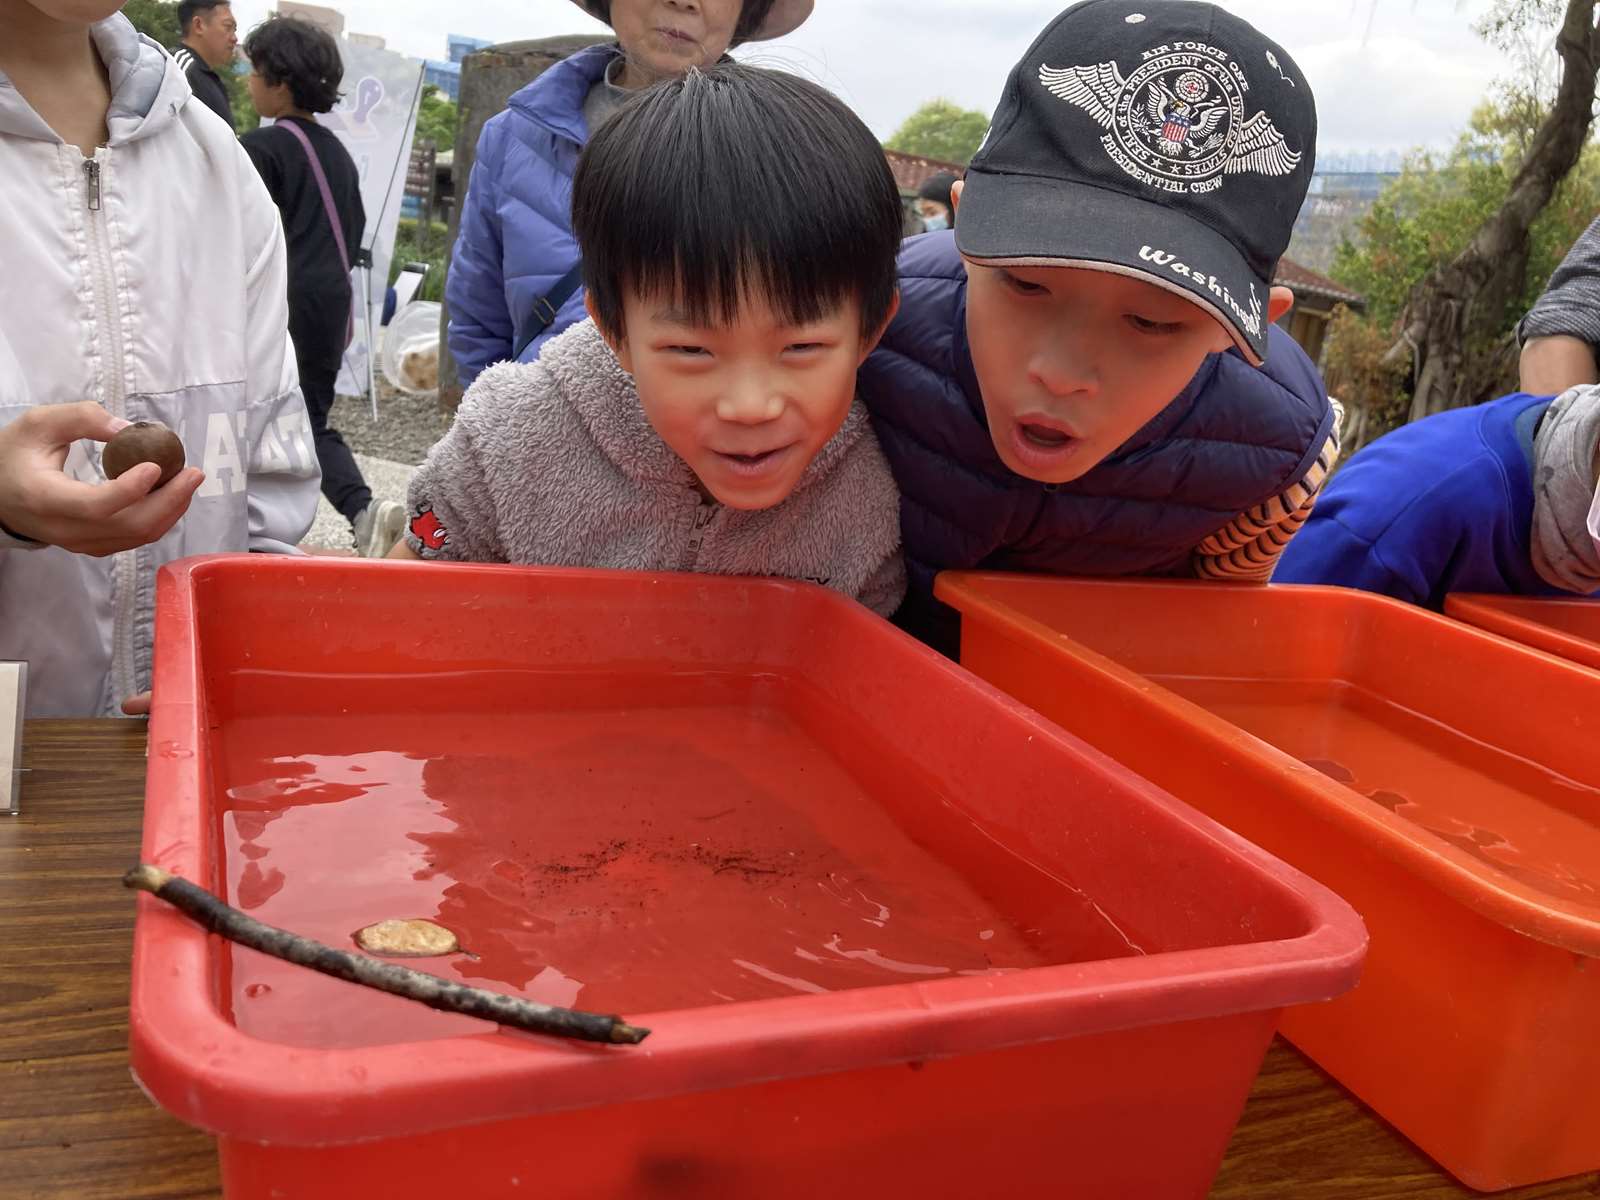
(747, 405)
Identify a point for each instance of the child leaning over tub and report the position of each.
(739, 230)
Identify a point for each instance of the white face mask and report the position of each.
(934, 224)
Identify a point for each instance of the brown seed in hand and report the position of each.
(143, 441)
(407, 939)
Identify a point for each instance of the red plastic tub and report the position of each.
(894, 933)
(1569, 628)
(1444, 781)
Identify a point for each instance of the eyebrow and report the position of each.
(679, 317)
(674, 316)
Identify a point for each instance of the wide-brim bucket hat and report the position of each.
(786, 16)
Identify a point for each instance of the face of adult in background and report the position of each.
(663, 38)
(934, 215)
(271, 100)
(214, 35)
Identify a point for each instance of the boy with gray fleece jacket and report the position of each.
(705, 419)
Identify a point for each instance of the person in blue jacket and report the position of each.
(514, 278)
(1085, 378)
(1501, 498)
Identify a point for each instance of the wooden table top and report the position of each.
(73, 1124)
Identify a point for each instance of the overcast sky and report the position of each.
(1410, 78)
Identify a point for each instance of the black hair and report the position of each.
(752, 15)
(738, 176)
(937, 188)
(300, 54)
(190, 9)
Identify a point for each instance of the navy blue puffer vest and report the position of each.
(1235, 437)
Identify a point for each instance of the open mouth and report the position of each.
(758, 463)
(1043, 436)
(1042, 446)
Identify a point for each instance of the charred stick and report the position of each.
(443, 994)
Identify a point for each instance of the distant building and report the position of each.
(445, 74)
(1342, 191)
(330, 19)
(459, 46)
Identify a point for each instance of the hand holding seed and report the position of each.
(39, 502)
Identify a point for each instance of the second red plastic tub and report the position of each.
(1568, 628)
(1445, 782)
(895, 934)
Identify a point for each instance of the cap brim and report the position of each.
(1026, 220)
(786, 16)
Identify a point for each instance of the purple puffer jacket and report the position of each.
(516, 238)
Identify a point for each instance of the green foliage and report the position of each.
(154, 18)
(942, 130)
(1356, 373)
(415, 244)
(436, 119)
(1429, 214)
(245, 117)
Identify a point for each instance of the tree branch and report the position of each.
(443, 994)
(1439, 315)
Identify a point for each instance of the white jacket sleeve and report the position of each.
(284, 477)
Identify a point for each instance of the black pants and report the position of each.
(342, 482)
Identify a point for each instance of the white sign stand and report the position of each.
(13, 695)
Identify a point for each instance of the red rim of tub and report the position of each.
(1567, 924)
(305, 1096)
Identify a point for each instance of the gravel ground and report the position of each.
(387, 450)
(406, 426)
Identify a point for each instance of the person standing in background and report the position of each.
(515, 279)
(210, 36)
(934, 203)
(111, 176)
(1501, 498)
(295, 73)
(1560, 333)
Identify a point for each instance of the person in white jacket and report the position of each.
(145, 279)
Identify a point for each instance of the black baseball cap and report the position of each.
(1161, 139)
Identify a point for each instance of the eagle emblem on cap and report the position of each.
(1178, 122)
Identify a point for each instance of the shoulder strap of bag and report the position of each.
(546, 308)
(329, 208)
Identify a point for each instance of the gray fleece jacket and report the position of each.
(554, 463)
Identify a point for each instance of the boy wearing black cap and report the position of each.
(1085, 378)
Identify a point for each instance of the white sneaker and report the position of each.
(378, 527)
